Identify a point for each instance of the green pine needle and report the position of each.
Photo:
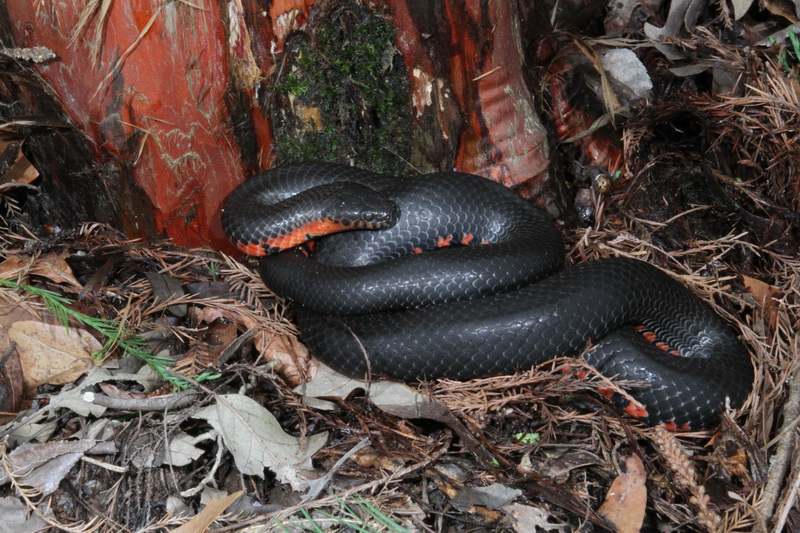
(795, 43)
(349, 518)
(112, 330)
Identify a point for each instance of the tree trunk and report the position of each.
(154, 111)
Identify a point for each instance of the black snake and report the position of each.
(397, 300)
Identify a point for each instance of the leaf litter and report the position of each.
(486, 416)
(283, 441)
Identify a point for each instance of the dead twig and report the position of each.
(176, 401)
(783, 456)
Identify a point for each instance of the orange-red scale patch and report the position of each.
(306, 232)
(579, 371)
(607, 393)
(301, 234)
(666, 347)
(651, 337)
(635, 410)
(449, 240)
(671, 426)
(254, 249)
(444, 241)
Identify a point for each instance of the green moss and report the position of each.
(309, 146)
(297, 85)
(344, 67)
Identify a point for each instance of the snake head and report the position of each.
(361, 207)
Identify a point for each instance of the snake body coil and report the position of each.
(420, 309)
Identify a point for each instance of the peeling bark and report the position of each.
(181, 101)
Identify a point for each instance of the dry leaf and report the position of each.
(17, 518)
(765, 295)
(10, 313)
(294, 364)
(208, 514)
(328, 383)
(13, 266)
(626, 500)
(182, 450)
(391, 397)
(740, 7)
(43, 466)
(11, 390)
(557, 464)
(782, 8)
(257, 441)
(20, 170)
(396, 399)
(371, 458)
(51, 266)
(112, 391)
(77, 399)
(166, 288)
(206, 352)
(55, 268)
(52, 353)
(528, 518)
(494, 496)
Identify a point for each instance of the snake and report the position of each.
(451, 275)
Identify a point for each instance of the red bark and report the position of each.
(154, 100)
(505, 139)
(175, 96)
(575, 109)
